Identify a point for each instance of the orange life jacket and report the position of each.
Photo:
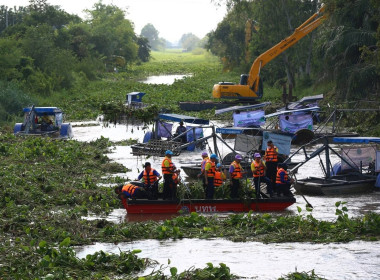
(237, 171)
(278, 178)
(218, 179)
(130, 189)
(259, 170)
(176, 179)
(211, 171)
(271, 154)
(167, 170)
(152, 177)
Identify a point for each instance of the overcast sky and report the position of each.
(172, 18)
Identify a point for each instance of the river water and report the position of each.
(354, 260)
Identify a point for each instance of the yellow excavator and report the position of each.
(251, 87)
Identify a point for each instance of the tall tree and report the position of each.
(151, 33)
(349, 48)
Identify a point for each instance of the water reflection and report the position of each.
(163, 79)
(254, 260)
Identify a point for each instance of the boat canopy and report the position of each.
(305, 100)
(40, 111)
(311, 109)
(365, 140)
(241, 108)
(184, 118)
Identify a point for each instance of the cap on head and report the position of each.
(239, 157)
(204, 154)
(168, 152)
(147, 164)
(213, 156)
(218, 165)
(257, 155)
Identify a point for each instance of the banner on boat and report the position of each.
(282, 142)
(293, 123)
(377, 161)
(357, 156)
(246, 119)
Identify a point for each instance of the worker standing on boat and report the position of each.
(151, 178)
(258, 170)
(181, 129)
(209, 174)
(168, 169)
(283, 182)
(202, 174)
(236, 173)
(271, 159)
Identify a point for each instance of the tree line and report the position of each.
(342, 52)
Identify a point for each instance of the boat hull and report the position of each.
(337, 185)
(145, 206)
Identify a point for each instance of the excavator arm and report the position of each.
(250, 86)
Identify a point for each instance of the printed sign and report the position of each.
(246, 119)
(282, 142)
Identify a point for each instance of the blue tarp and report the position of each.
(241, 108)
(190, 136)
(315, 108)
(365, 140)
(164, 129)
(184, 118)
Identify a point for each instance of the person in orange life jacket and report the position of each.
(202, 174)
(209, 174)
(168, 169)
(181, 129)
(271, 159)
(219, 176)
(151, 178)
(258, 170)
(236, 173)
(283, 182)
(130, 191)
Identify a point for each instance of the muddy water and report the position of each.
(253, 260)
(324, 207)
(354, 260)
(163, 79)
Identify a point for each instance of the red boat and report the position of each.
(145, 206)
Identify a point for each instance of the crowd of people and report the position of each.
(265, 169)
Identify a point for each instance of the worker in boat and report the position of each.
(209, 174)
(236, 173)
(46, 122)
(130, 190)
(283, 182)
(202, 174)
(168, 169)
(219, 176)
(151, 178)
(258, 168)
(271, 159)
(181, 129)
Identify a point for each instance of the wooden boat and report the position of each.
(336, 185)
(144, 206)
